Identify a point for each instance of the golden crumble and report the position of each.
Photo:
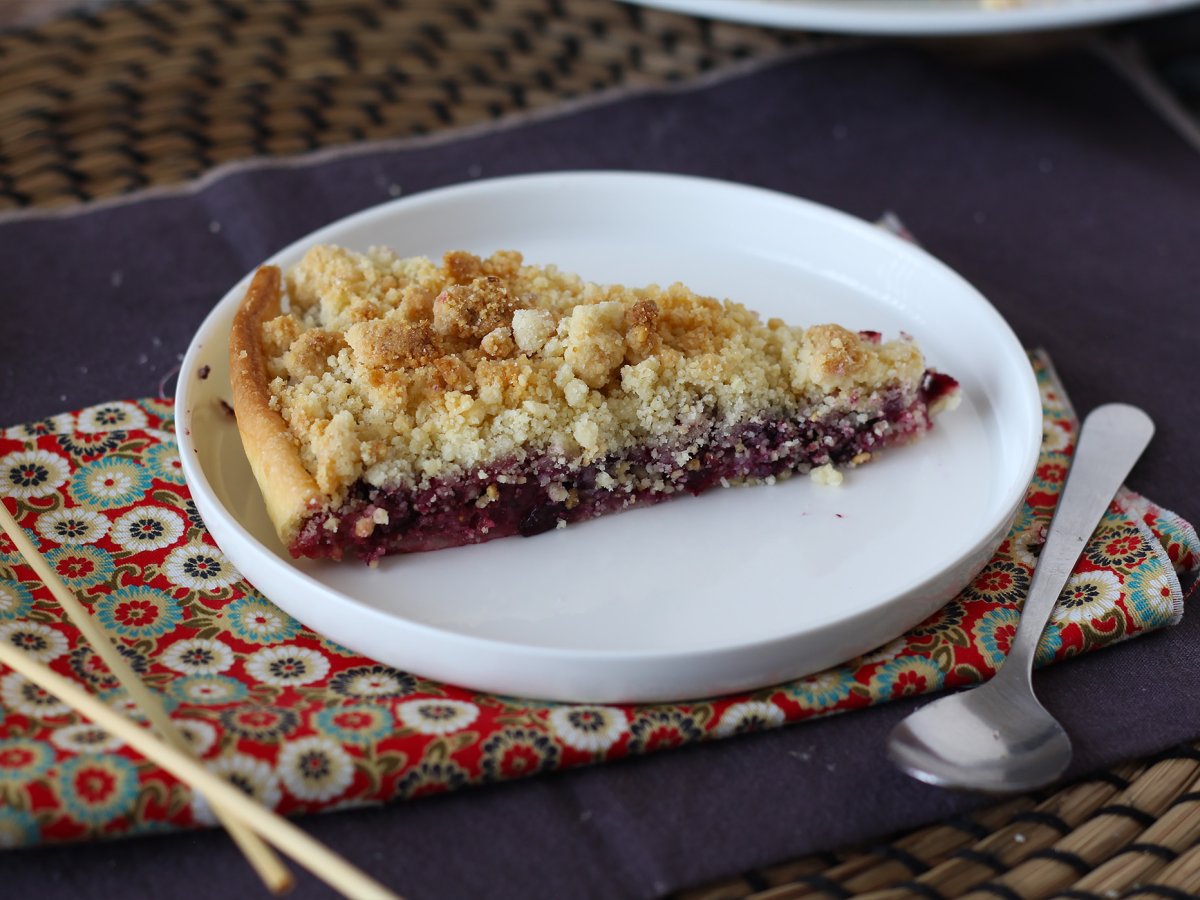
(401, 371)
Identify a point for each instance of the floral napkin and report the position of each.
(305, 725)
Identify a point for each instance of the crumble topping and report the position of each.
(403, 371)
(532, 328)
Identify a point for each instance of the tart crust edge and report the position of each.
(290, 492)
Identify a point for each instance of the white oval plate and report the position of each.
(921, 17)
(698, 596)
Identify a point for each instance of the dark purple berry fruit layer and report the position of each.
(528, 497)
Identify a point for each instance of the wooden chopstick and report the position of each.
(270, 868)
(305, 850)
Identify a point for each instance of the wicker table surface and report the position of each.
(118, 98)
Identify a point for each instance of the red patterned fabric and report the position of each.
(306, 725)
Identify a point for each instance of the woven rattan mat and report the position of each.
(104, 102)
(101, 103)
(1128, 832)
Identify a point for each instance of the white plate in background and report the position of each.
(698, 596)
(922, 17)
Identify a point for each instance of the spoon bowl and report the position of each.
(993, 740)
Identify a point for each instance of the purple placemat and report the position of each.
(1047, 183)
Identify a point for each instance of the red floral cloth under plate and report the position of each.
(306, 725)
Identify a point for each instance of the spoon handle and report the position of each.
(1110, 442)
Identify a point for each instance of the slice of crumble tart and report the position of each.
(397, 405)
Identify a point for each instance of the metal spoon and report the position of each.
(997, 737)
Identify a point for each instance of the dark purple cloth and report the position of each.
(1047, 183)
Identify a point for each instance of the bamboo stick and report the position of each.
(286, 837)
(269, 867)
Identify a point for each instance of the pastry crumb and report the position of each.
(946, 402)
(826, 475)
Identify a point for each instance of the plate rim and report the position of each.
(205, 494)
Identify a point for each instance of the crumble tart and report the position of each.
(398, 405)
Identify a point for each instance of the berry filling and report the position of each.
(531, 496)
